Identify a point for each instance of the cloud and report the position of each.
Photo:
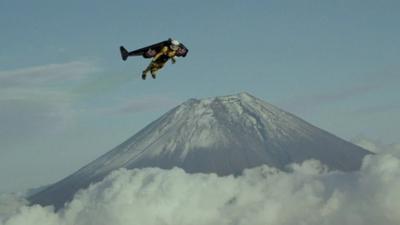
(378, 108)
(377, 146)
(37, 99)
(326, 98)
(344, 94)
(9, 204)
(45, 82)
(139, 105)
(372, 81)
(308, 195)
(44, 74)
(149, 103)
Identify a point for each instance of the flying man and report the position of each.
(160, 52)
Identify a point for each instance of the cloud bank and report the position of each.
(263, 195)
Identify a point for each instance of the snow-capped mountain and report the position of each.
(222, 135)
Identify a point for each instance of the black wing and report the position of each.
(151, 50)
(146, 52)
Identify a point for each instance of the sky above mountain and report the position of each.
(66, 97)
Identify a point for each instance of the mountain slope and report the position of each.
(222, 135)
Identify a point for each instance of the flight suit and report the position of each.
(159, 61)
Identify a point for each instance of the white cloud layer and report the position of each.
(309, 195)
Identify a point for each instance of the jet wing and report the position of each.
(151, 50)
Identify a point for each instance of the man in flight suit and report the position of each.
(159, 60)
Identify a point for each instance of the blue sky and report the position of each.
(66, 97)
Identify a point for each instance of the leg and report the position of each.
(148, 69)
(155, 67)
(143, 75)
(154, 73)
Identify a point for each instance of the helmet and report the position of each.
(174, 44)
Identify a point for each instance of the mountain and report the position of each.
(222, 135)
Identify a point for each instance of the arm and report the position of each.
(163, 50)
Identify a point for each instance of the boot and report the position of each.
(144, 75)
